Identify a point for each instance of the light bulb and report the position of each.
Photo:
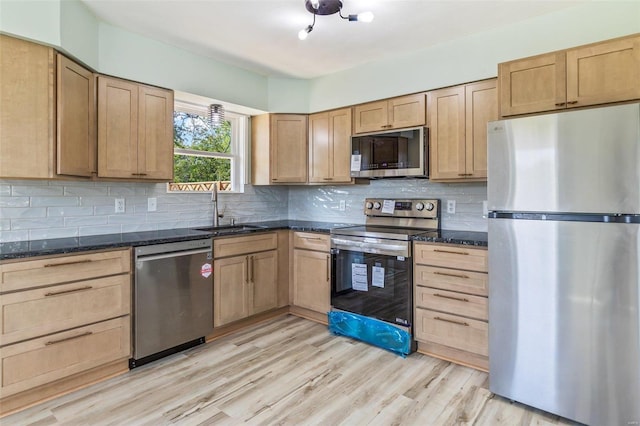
(315, 4)
(365, 17)
(302, 34)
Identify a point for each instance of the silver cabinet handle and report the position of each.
(452, 321)
(51, 265)
(450, 275)
(55, 293)
(451, 252)
(53, 342)
(444, 296)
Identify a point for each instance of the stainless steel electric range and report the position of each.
(372, 272)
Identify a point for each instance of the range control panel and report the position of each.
(418, 208)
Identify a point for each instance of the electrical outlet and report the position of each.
(119, 205)
(451, 206)
(343, 205)
(485, 209)
(152, 204)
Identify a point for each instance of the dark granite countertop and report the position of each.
(25, 249)
(470, 238)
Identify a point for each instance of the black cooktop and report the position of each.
(389, 232)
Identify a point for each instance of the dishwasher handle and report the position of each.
(149, 258)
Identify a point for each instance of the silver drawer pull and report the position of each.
(451, 275)
(53, 342)
(451, 252)
(452, 321)
(312, 238)
(444, 296)
(50, 265)
(55, 293)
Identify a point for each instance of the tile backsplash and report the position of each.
(32, 210)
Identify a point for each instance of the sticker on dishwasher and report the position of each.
(206, 270)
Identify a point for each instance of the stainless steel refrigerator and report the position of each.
(564, 257)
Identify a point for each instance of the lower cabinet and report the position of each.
(451, 309)
(245, 277)
(64, 323)
(312, 272)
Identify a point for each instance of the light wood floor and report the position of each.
(287, 371)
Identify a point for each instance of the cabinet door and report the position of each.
(319, 149)
(340, 138)
(117, 128)
(155, 133)
(533, 84)
(311, 280)
(447, 133)
(230, 290)
(263, 275)
(481, 106)
(605, 72)
(371, 116)
(407, 111)
(330, 146)
(27, 127)
(76, 118)
(288, 148)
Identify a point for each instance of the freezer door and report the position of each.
(577, 162)
(564, 319)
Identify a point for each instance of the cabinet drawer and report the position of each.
(453, 331)
(35, 362)
(457, 257)
(58, 270)
(311, 241)
(253, 243)
(452, 279)
(32, 313)
(454, 303)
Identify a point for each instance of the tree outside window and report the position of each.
(204, 155)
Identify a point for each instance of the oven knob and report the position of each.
(430, 206)
(377, 205)
(369, 205)
(419, 207)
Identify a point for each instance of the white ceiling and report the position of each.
(262, 36)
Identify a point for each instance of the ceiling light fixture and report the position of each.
(329, 7)
(216, 115)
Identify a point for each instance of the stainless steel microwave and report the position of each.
(394, 153)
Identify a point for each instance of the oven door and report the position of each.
(372, 284)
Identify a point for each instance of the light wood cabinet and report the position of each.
(245, 277)
(27, 121)
(135, 130)
(62, 317)
(312, 272)
(451, 309)
(458, 118)
(594, 74)
(77, 150)
(278, 149)
(395, 113)
(330, 146)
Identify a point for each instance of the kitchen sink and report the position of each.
(229, 229)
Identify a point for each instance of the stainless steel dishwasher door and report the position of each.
(173, 296)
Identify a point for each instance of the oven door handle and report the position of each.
(374, 248)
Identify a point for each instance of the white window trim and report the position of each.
(239, 145)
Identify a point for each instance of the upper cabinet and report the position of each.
(329, 146)
(27, 121)
(590, 75)
(396, 113)
(278, 149)
(76, 119)
(458, 119)
(135, 130)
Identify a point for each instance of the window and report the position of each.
(204, 155)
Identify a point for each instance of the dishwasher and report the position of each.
(172, 298)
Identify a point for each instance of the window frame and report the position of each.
(238, 146)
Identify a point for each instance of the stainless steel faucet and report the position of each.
(214, 200)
